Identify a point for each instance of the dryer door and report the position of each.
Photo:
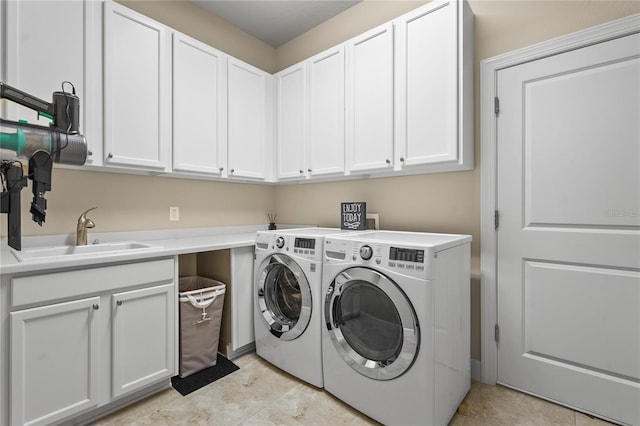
(372, 323)
(284, 296)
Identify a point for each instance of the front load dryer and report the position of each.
(395, 335)
(288, 300)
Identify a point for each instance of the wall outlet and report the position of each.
(174, 214)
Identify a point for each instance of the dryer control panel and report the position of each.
(406, 260)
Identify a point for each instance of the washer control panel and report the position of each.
(403, 259)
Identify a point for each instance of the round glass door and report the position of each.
(372, 323)
(284, 297)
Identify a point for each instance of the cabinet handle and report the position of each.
(119, 302)
(388, 161)
(110, 155)
(96, 307)
(89, 153)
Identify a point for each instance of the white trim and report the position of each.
(488, 90)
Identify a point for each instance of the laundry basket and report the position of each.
(201, 302)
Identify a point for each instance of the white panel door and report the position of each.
(427, 85)
(143, 337)
(137, 102)
(292, 121)
(327, 112)
(568, 196)
(199, 107)
(369, 120)
(247, 115)
(55, 362)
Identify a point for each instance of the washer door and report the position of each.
(284, 297)
(372, 323)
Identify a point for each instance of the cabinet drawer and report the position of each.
(61, 285)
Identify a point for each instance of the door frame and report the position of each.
(488, 165)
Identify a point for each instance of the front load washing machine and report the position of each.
(395, 335)
(288, 300)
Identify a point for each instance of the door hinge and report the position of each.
(496, 219)
(497, 333)
(496, 105)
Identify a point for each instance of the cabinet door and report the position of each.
(199, 107)
(247, 116)
(136, 89)
(33, 66)
(326, 112)
(370, 100)
(54, 362)
(427, 85)
(292, 121)
(142, 337)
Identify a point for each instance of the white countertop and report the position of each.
(162, 243)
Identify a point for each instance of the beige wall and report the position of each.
(129, 202)
(447, 202)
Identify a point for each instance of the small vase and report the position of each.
(272, 226)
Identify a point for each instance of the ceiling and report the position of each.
(276, 22)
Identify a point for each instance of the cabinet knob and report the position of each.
(221, 169)
(232, 170)
(119, 302)
(110, 155)
(388, 161)
(95, 306)
(301, 171)
(402, 159)
(89, 153)
(309, 170)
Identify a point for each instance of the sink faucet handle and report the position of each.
(85, 213)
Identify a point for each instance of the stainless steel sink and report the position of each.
(39, 253)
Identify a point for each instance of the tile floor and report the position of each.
(260, 394)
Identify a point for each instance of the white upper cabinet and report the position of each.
(247, 110)
(199, 107)
(137, 103)
(433, 88)
(47, 43)
(310, 116)
(327, 112)
(369, 119)
(292, 115)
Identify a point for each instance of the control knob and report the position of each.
(279, 242)
(366, 252)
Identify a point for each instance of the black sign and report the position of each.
(353, 216)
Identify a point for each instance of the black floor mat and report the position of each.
(202, 378)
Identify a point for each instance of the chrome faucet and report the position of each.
(81, 230)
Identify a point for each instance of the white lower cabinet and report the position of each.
(55, 361)
(142, 336)
(81, 339)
